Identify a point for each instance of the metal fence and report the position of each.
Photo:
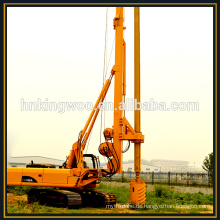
(170, 178)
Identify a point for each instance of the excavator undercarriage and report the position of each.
(71, 199)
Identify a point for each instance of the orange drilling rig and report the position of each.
(74, 183)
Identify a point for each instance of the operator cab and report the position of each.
(90, 161)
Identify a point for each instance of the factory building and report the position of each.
(24, 160)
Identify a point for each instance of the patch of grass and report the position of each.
(18, 190)
(162, 191)
(122, 194)
(22, 190)
(164, 200)
(35, 207)
(168, 196)
(118, 179)
(21, 203)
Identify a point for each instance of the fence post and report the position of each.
(187, 177)
(122, 176)
(209, 179)
(152, 177)
(169, 178)
(176, 178)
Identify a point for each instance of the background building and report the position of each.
(129, 166)
(22, 161)
(171, 165)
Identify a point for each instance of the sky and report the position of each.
(56, 54)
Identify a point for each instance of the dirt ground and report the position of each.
(11, 198)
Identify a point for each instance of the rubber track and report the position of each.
(72, 199)
(97, 198)
(110, 198)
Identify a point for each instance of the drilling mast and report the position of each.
(137, 186)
